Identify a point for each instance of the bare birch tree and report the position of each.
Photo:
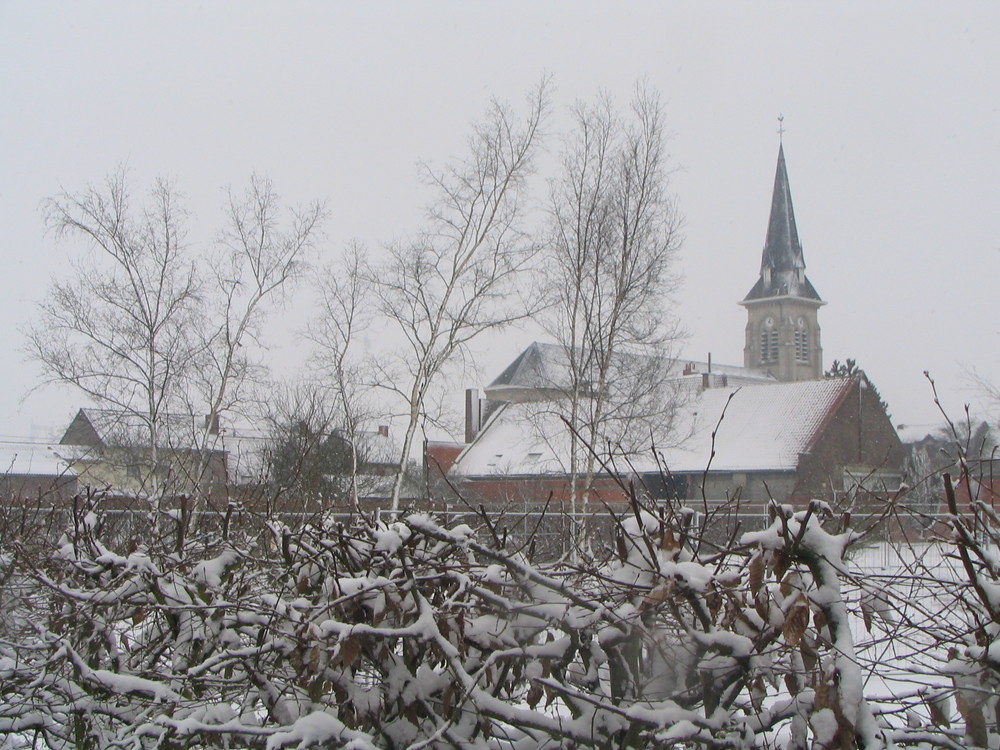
(608, 276)
(343, 316)
(261, 253)
(142, 327)
(120, 330)
(458, 277)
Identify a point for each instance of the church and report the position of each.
(773, 428)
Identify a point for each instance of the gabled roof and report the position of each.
(109, 428)
(782, 265)
(765, 428)
(542, 371)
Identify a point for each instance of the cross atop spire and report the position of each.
(781, 128)
(782, 266)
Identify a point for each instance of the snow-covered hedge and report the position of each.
(410, 634)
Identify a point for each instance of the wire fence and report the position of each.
(546, 533)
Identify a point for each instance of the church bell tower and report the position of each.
(782, 334)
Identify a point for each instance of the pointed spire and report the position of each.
(782, 251)
(782, 265)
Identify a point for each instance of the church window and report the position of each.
(802, 343)
(768, 342)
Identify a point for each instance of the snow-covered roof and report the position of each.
(123, 429)
(765, 428)
(33, 459)
(734, 374)
(917, 433)
(542, 371)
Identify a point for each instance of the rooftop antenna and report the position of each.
(781, 127)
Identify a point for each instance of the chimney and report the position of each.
(473, 414)
(383, 430)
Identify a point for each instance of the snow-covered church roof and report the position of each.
(764, 428)
(543, 372)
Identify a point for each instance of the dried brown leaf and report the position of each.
(824, 694)
(550, 695)
(756, 577)
(447, 696)
(796, 622)
(668, 543)
(350, 651)
(781, 563)
(819, 620)
(657, 595)
(866, 613)
(809, 655)
(938, 708)
(762, 604)
(792, 683)
(534, 695)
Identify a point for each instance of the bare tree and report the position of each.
(258, 263)
(343, 315)
(311, 462)
(608, 276)
(144, 328)
(458, 278)
(120, 330)
(262, 250)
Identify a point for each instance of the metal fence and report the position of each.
(546, 533)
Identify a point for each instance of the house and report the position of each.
(967, 452)
(771, 428)
(112, 450)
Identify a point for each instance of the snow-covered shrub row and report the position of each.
(411, 634)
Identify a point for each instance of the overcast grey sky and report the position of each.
(892, 117)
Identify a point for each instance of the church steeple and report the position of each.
(782, 265)
(782, 333)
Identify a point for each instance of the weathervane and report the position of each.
(781, 127)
